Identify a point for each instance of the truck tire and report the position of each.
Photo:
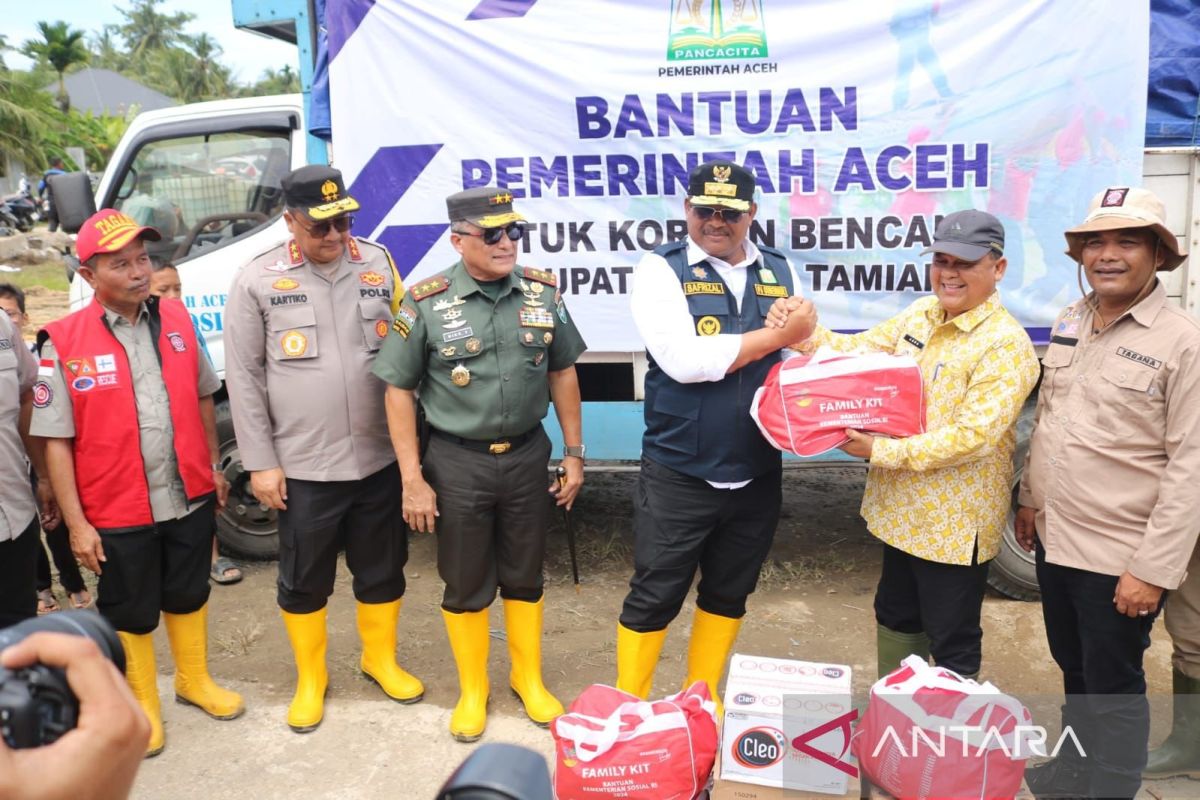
(1012, 573)
(245, 527)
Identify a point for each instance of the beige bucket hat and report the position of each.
(1126, 207)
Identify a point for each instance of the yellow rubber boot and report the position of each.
(142, 675)
(307, 634)
(708, 650)
(377, 629)
(468, 634)
(637, 657)
(523, 622)
(188, 634)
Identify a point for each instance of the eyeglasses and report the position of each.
(728, 215)
(321, 229)
(491, 236)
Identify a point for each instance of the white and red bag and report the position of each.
(807, 402)
(612, 744)
(929, 733)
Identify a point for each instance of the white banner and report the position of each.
(863, 121)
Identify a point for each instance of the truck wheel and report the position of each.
(245, 526)
(1012, 573)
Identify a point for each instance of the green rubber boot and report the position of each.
(892, 647)
(1179, 754)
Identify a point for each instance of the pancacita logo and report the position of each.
(708, 30)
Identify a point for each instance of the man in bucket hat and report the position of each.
(125, 401)
(1108, 499)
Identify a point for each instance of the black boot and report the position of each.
(1060, 777)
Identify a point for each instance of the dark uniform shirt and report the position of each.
(481, 364)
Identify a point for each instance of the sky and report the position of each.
(247, 54)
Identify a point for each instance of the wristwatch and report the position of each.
(576, 451)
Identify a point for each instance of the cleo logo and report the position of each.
(371, 278)
(285, 285)
(758, 748)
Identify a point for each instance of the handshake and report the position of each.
(794, 316)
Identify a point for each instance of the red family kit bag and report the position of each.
(807, 402)
(929, 733)
(611, 744)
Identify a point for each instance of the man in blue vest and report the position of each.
(709, 491)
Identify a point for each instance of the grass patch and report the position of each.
(48, 274)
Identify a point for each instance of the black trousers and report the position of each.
(943, 600)
(681, 523)
(363, 518)
(495, 510)
(1100, 654)
(18, 586)
(59, 541)
(161, 568)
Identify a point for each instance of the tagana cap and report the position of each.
(107, 231)
(1120, 207)
(969, 235)
(721, 183)
(318, 190)
(485, 206)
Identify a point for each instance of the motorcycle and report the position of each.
(22, 208)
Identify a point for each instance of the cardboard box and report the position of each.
(787, 725)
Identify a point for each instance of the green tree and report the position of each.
(61, 47)
(107, 52)
(280, 81)
(146, 30)
(28, 120)
(211, 78)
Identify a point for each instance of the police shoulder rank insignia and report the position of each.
(536, 317)
(703, 287)
(295, 257)
(352, 246)
(708, 326)
(770, 291)
(540, 275)
(429, 288)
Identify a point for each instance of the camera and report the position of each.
(499, 772)
(37, 705)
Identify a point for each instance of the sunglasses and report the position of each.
(321, 229)
(728, 215)
(492, 236)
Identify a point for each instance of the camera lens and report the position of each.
(76, 623)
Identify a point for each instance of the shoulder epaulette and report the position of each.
(295, 256)
(352, 246)
(429, 287)
(541, 276)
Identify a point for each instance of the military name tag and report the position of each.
(461, 333)
(536, 317)
(703, 287)
(770, 291)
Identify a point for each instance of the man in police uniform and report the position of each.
(19, 537)
(709, 490)
(484, 342)
(304, 323)
(124, 399)
(1108, 499)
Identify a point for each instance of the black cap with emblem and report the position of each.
(721, 183)
(485, 206)
(969, 235)
(318, 191)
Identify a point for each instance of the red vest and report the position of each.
(109, 473)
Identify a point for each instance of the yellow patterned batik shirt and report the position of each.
(937, 494)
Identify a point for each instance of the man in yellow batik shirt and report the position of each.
(939, 500)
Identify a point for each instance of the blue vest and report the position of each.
(704, 429)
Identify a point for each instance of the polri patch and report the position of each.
(1153, 363)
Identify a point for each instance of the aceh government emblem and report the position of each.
(705, 30)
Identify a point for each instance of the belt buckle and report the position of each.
(499, 448)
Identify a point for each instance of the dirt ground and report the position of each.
(813, 603)
(44, 306)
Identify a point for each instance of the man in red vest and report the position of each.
(125, 403)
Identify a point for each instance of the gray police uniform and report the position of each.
(300, 342)
(18, 513)
(481, 366)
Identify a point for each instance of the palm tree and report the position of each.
(106, 52)
(146, 31)
(61, 47)
(27, 120)
(211, 78)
